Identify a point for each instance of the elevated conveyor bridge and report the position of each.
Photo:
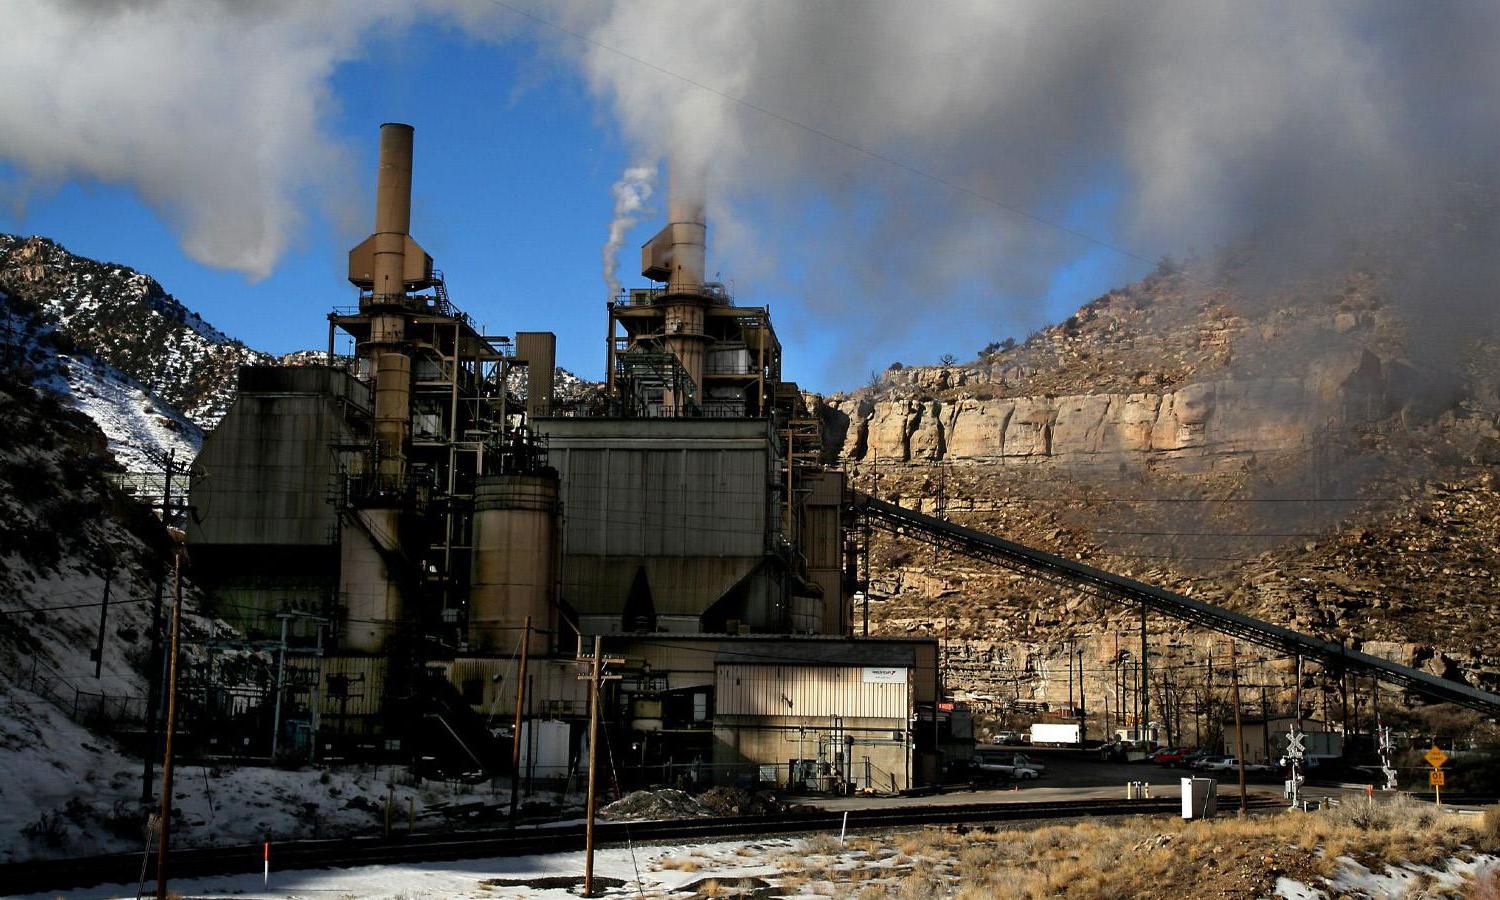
(1068, 573)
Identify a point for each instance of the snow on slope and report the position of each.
(140, 425)
(82, 797)
(126, 319)
(137, 423)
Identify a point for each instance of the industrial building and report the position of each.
(403, 527)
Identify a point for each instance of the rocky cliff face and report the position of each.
(1283, 454)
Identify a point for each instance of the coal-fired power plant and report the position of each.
(403, 524)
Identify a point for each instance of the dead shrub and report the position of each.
(1490, 825)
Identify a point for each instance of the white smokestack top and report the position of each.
(631, 192)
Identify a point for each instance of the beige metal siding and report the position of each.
(812, 691)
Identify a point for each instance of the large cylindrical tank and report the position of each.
(369, 591)
(515, 561)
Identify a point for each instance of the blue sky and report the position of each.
(514, 163)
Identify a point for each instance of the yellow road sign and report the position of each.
(1435, 778)
(1435, 757)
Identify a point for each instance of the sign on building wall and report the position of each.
(874, 675)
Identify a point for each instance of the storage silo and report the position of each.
(515, 559)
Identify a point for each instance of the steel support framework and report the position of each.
(1050, 567)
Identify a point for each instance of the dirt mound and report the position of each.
(666, 803)
(733, 801)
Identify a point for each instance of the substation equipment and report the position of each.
(389, 522)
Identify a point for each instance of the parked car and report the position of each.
(1191, 760)
(1006, 764)
(1171, 756)
(1008, 737)
(1022, 761)
(1212, 763)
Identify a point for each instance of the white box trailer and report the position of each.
(1056, 733)
(544, 749)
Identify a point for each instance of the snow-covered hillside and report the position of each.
(125, 319)
(140, 426)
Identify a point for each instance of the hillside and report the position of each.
(126, 320)
(1286, 453)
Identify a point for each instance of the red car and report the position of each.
(1170, 756)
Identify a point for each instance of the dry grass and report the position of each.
(1167, 858)
(681, 865)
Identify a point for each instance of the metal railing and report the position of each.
(89, 708)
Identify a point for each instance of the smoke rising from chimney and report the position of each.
(1177, 125)
(631, 192)
(1182, 125)
(215, 111)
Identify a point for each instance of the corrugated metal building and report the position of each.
(836, 716)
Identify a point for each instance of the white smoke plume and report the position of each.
(1179, 125)
(631, 192)
(213, 110)
(1183, 125)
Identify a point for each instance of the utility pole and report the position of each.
(1145, 681)
(1239, 732)
(280, 676)
(153, 684)
(595, 677)
(109, 576)
(1069, 653)
(1265, 716)
(166, 762)
(515, 733)
(1083, 708)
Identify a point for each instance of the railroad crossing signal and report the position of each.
(1435, 758)
(1294, 745)
(1435, 778)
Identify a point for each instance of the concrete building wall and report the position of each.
(268, 470)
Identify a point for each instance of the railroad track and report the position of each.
(124, 868)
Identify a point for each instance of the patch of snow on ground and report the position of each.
(725, 861)
(1397, 881)
(83, 796)
(1292, 889)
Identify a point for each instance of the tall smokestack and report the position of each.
(392, 209)
(677, 256)
(386, 266)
